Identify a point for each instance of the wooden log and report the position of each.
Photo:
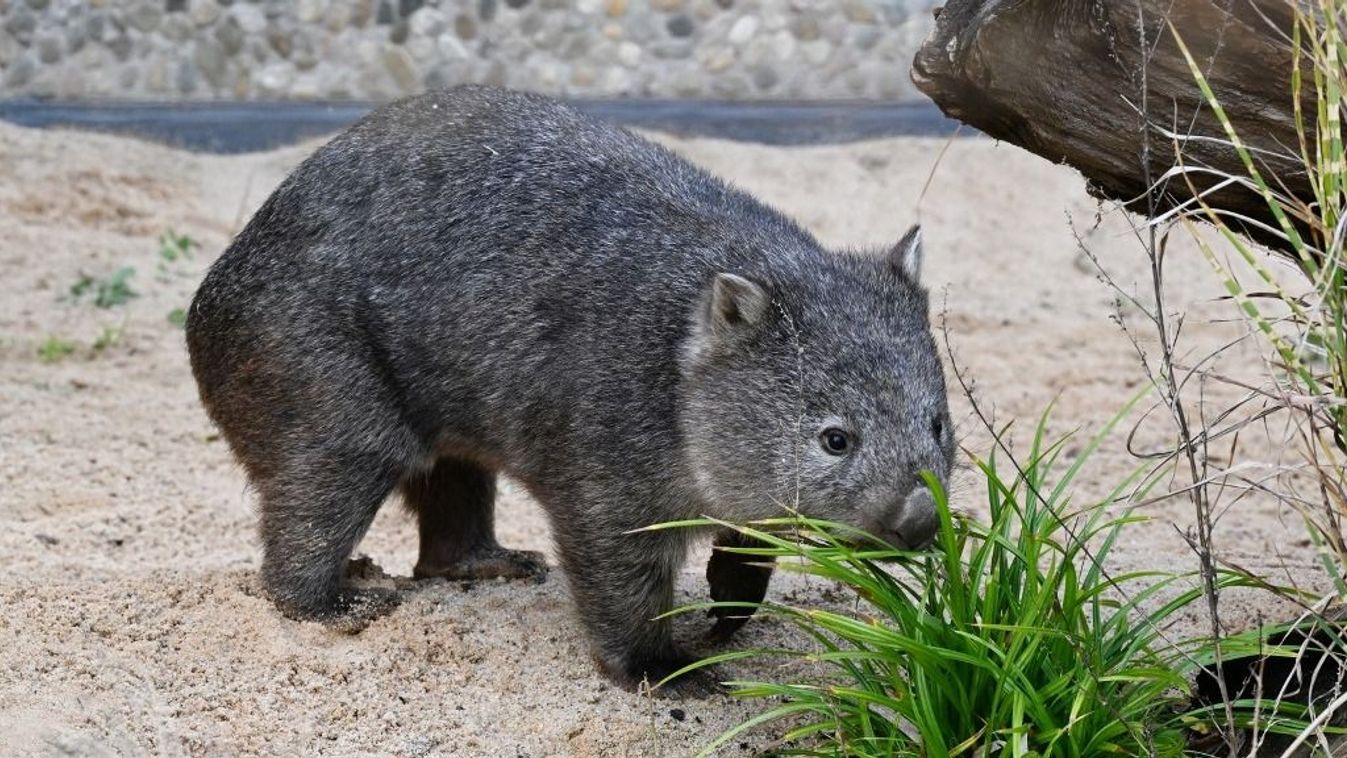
(1065, 79)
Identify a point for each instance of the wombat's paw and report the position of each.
(647, 676)
(349, 610)
(495, 563)
(728, 621)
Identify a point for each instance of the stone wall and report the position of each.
(376, 49)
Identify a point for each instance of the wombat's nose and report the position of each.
(917, 520)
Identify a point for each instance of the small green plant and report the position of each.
(175, 247)
(107, 337)
(1008, 639)
(178, 317)
(55, 349)
(108, 292)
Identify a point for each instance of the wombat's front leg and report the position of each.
(735, 577)
(455, 511)
(622, 582)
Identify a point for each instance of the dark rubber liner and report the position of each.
(246, 127)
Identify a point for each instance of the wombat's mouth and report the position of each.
(888, 539)
(896, 539)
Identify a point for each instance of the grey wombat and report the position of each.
(478, 281)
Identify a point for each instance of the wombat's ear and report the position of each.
(734, 303)
(905, 257)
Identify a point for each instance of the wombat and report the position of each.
(478, 282)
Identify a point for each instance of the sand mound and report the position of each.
(132, 623)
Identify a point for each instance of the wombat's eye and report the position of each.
(835, 441)
(938, 428)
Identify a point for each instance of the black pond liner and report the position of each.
(1314, 677)
(240, 127)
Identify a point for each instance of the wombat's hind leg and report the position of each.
(455, 512)
(313, 514)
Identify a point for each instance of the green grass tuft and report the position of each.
(1008, 638)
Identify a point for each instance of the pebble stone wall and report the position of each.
(377, 49)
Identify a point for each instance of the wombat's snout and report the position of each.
(917, 522)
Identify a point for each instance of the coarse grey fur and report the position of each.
(479, 281)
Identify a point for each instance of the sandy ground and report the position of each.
(131, 619)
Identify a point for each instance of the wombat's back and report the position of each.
(487, 238)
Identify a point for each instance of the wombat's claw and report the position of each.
(355, 608)
(698, 684)
(496, 563)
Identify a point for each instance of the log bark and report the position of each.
(1065, 79)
